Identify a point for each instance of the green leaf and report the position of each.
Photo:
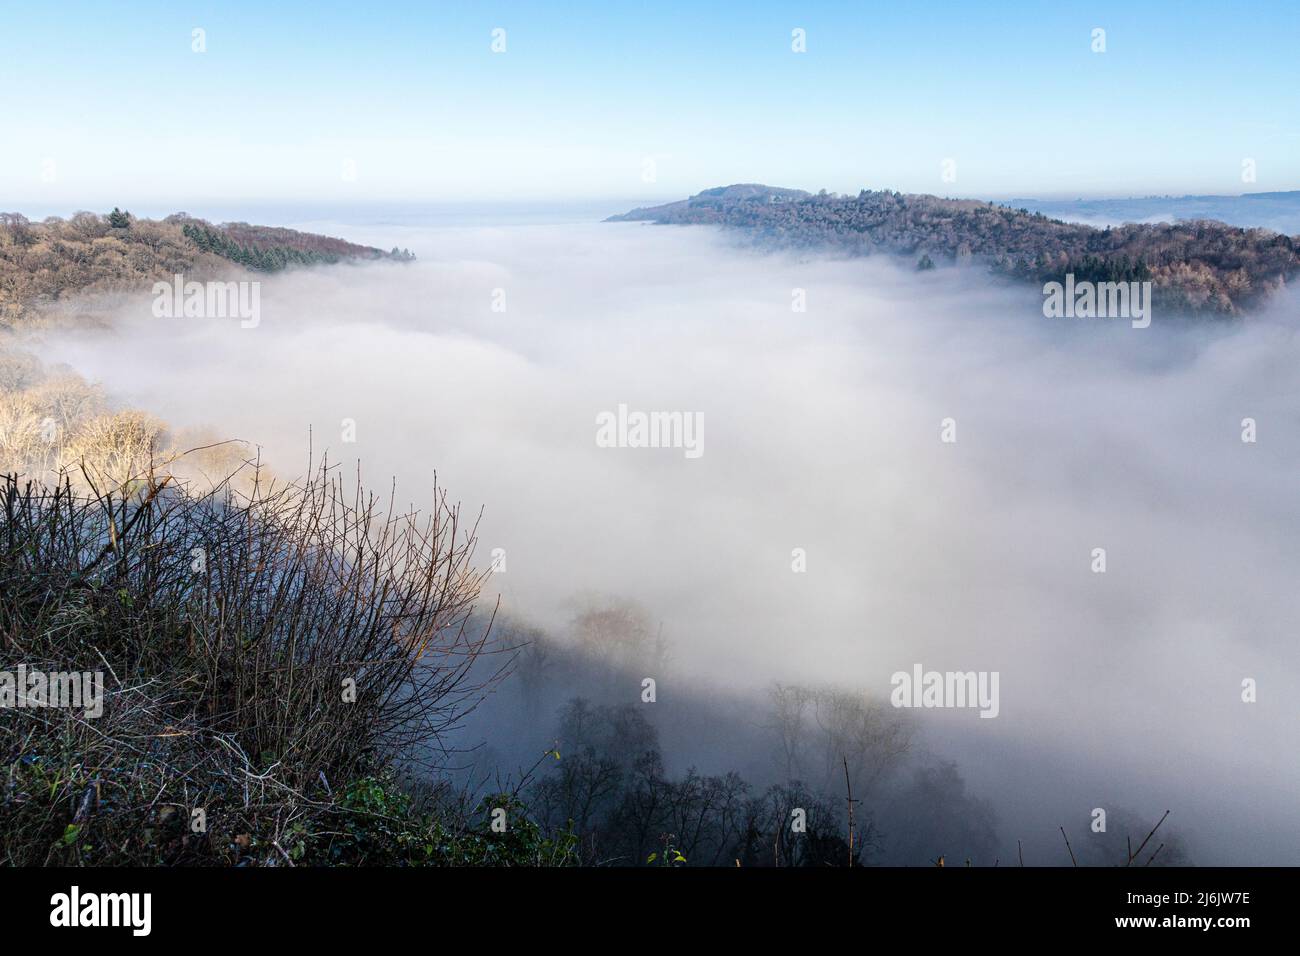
(70, 834)
(652, 857)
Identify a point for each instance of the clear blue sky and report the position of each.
(411, 93)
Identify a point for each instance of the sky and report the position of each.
(109, 103)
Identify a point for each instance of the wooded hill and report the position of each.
(1197, 267)
(43, 262)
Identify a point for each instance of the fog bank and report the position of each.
(821, 432)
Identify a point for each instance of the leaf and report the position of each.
(652, 857)
(70, 834)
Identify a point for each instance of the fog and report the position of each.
(821, 431)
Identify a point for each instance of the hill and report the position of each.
(1278, 211)
(1197, 267)
(41, 263)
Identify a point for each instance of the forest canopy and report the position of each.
(1195, 266)
(43, 262)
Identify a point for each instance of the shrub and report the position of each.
(261, 653)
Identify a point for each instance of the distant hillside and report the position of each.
(41, 263)
(270, 248)
(714, 199)
(1278, 211)
(1197, 267)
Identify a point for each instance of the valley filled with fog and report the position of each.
(489, 358)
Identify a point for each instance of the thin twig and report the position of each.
(848, 786)
(1132, 856)
(1067, 846)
